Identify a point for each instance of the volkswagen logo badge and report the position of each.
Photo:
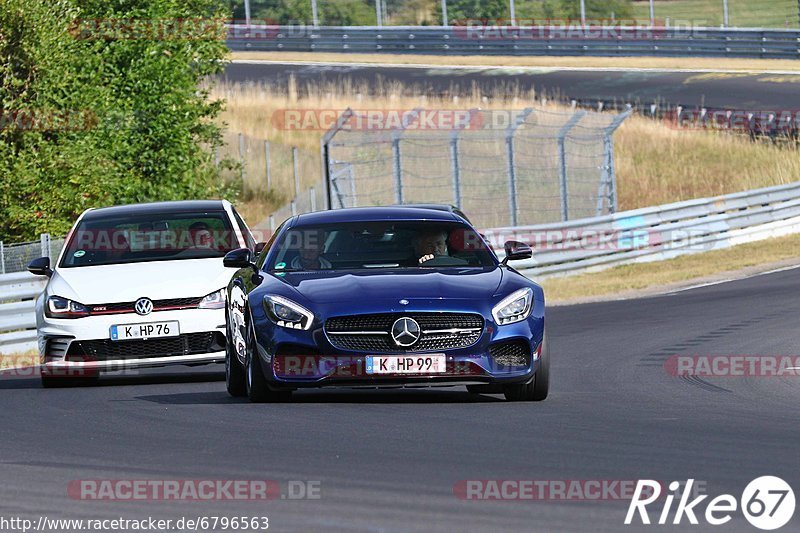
(405, 331)
(143, 306)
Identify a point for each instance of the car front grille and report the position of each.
(372, 333)
(514, 353)
(169, 304)
(185, 344)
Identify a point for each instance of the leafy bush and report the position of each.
(139, 128)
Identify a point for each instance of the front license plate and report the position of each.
(152, 330)
(406, 364)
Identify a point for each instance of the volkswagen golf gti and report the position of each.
(137, 286)
(383, 297)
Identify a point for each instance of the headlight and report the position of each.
(215, 300)
(514, 308)
(58, 307)
(287, 314)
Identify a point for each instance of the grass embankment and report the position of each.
(629, 278)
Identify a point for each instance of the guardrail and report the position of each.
(655, 233)
(520, 41)
(18, 292)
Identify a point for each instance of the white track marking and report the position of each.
(532, 69)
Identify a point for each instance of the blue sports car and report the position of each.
(383, 297)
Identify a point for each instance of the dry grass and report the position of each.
(656, 163)
(688, 267)
(742, 13)
(695, 63)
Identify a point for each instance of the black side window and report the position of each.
(263, 256)
(248, 237)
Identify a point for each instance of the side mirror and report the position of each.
(40, 267)
(260, 247)
(240, 258)
(516, 250)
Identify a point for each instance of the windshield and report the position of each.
(149, 237)
(375, 245)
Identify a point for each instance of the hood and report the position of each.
(127, 282)
(372, 286)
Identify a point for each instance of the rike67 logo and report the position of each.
(767, 503)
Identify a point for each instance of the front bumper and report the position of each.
(292, 359)
(84, 343)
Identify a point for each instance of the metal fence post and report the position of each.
(512, 181)
(397, 163)
(269, 166)
(312, 198)
(44, 239)
(294, 207)
(325, 155)
(725, 19)
(272, 223)
(241, 158)
(314, 15)
(610, 170)
(2, 258)
(397, 170)
(296, 172)
(455, 168)
(512, 166)
(562, 162)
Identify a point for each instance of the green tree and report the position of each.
(597, 9)
(462, 10)
(141, 129)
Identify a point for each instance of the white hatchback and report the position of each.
(138, 286)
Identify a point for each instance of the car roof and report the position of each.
(182, 206)
(439, 207)
(374, 214)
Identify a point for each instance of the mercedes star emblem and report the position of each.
(405, 331)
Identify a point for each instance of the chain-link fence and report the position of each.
(15, 257)
(500, 167)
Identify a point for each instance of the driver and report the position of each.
(310, 256)
(201, 236)
(429, 245)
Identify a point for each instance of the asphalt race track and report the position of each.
(389, 460)
(739, 91)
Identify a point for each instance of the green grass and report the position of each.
(742, 13)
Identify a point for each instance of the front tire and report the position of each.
(234, 370)
(537, 389)
(256, 385)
